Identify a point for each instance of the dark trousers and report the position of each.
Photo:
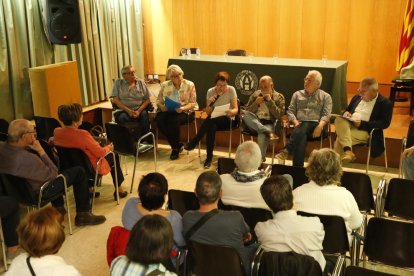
(76, 177)
(121, 117)
(298, 140)
(9, 213)
(119, 173)
(209, 128)
(169, 125)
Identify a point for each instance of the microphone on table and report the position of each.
(211, 104)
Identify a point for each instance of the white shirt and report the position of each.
(46, 265)
(289, 232)
(243, 194)
(364, 109)
(328, 200)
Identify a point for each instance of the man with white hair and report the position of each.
(265, 106)
(242, 187)
(366, 111)
(309, 112)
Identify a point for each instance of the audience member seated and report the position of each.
(23, 156)
(9, 213)
(408, 158)
(149, 245)
(41, 235)
(132, 97)
(287, 231)
(242, 186)
(182, 91)
(367, 110)
(323, 195)
(152, 191)
(223, 227)
(309, 112)
(264, 107)
(219, 95)
(70, 136)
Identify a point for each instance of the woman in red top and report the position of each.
(70, 136)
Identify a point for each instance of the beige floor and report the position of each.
(86, 248)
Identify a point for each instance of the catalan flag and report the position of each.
(406, 52)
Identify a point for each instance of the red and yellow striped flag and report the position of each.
(406, 52)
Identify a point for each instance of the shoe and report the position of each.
(180, 147)
(272, 136)
(174, 154)
(121, 194)
(61, 210)
(348, 157)
(97, 194)
(87, 218)
(188, 147)
(282, 156)
(207, 164)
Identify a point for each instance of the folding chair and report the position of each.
(398, 199)
(182, 201)
(297, 173)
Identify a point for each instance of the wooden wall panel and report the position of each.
(366, 33)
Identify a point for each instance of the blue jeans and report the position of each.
(253, 123)
(409, 167)
(298, 140)
(121, 117)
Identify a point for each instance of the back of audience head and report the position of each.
(208, 187)
(152, 190)
(277, 193)
(324, 167)
(248, 157)
(41, 232)
(17, 129)
(70, 113)
(150, 241)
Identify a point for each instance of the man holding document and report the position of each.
(366, 111)
(176, 101)
(221, 106)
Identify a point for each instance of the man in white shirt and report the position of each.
(288, 231)
(366, 111)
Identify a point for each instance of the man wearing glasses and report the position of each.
(23, 156)
(309, 112)
(131, 97)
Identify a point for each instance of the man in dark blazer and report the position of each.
(366, 111)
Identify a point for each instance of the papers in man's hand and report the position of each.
(344, 117)
(220, 110)
(170, 104)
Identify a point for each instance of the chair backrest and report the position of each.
(297, 173)
(410, 135)
(4, 127)
(225, 165)
(18, 188)
(45, 127)
(336, 236)
(236, 52)
(72, 157)
(287, 263)
(398, 199)
(205, 259)
(359, 184)
(182, 201)
(390, 242)
(116, 243)
(361, 271)
(122, 139)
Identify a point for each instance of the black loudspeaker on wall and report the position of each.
(63, 21)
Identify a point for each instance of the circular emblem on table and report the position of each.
(246, 82)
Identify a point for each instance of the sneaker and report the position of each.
(282, 156)
(175, 153)
(87, 218)
(207, 163)
(121, 194)
(189, 147)
(272, 136)
(348, 157)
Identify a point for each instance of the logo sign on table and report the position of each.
(246, 82)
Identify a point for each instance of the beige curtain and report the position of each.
(111, 38)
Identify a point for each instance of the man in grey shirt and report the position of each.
(225, 227)
(309, 112)
(131, 96)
